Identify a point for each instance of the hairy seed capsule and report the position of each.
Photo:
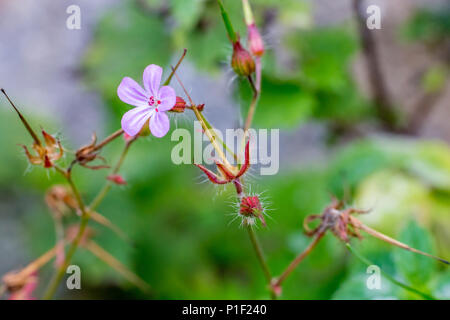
(242, 61)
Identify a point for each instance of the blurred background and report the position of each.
(363, 115)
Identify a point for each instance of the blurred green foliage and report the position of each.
(429, 25)
(182, 241)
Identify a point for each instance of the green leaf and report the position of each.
(282, 104)
(416, 268)
(355, 288)
(186, 13)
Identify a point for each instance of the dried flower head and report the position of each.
(89, 153)
(45, 153)
(344, 225)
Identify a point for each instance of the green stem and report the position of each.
(228, 25)
(253, 104)
(104, 191)
(389, 277)
(167, 82)
(261, 258)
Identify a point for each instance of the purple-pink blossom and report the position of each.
(152, 102)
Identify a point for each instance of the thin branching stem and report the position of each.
(54, 282)
(108, 184)
(108, 139)
(298, 259)
(261, 258)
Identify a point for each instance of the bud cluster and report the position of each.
(251, 208)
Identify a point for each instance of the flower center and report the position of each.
(153, 102)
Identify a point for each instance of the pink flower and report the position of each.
(151, 103)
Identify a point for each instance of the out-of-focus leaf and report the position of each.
(355, 288)
(282, 104)
(392, 196)
(428, 25)
(416, 268)
(441, 286)
(434, 79)
(186, 13)
(325, 56)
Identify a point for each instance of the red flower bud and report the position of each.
(242, 61)
(255, 42)
(180, 106)
(117, 179)
(127, 137)
(251, 208)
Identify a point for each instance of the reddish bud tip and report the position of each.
(117, 179)
(127, 137)
(180, 106)
(242, 61)
(250, 206)
(200, 107)
(255, 42)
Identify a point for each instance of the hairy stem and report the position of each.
(261, 258)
